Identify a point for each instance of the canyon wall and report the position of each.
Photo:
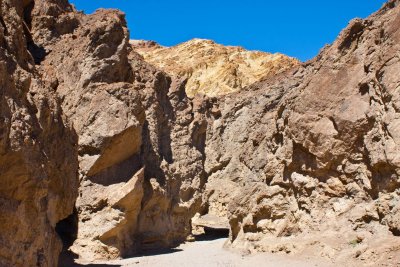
(314, 152)
(140, 148)
(38, 155)
(307, 153)
(294, 155)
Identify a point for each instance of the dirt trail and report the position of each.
(210, 253)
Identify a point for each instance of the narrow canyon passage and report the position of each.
(207, 251)
(119, 152)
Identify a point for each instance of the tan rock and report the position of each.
(213, 69)
(321, 136)
(108, 229)
(296, 160)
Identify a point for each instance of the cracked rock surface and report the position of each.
(314, 152)
(38, 152)
(106, 155)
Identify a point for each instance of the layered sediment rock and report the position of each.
(212, 69)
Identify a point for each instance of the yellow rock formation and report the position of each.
(213, 69)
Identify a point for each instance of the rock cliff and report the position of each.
(139, 149)
(212, 69)
(38, 155)
(293, 158)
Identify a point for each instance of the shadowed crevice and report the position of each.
(67, 229)
(118, 173)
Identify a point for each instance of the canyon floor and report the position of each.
(209, 253)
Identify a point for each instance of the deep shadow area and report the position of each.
(212, 234)
(67, 259)
(67, 229)
(38, 52)
(395, 231)
(150, 157)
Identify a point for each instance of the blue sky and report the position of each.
(296, 28)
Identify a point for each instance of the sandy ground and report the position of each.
(209, 253)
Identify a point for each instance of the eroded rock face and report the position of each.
(212, 69)
(314, 150)
(94, 82)
(289, 162)
(138, 135)
(38, 156)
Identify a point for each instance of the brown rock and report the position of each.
(95, 84)
(290, 158)
(38, 156)
(321, 134)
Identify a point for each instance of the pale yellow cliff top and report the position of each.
(213, 69)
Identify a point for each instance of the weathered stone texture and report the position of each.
(38, 153)
(305, 153)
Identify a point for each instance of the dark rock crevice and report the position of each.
(67, 229)
(38, 52)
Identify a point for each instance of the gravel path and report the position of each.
(209, 253)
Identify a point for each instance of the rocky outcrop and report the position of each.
(38, 156)
(108, 218)
(93, 81)
(95, 84)
(287, 163)
(128, 116)
(212, 69)
(313, 152)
